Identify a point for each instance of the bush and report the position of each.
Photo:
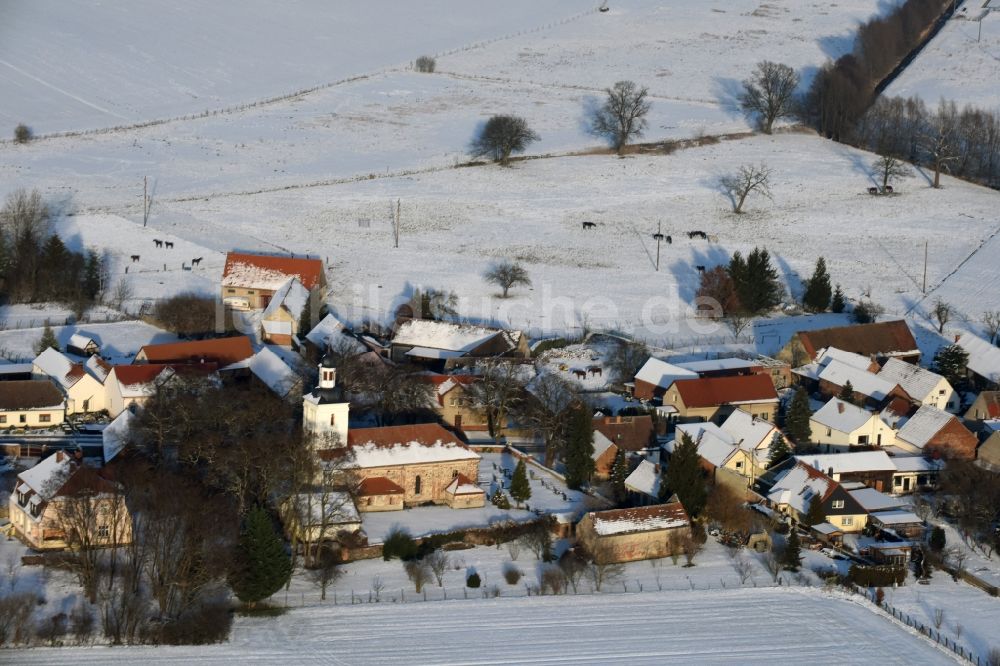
(877, 576)
(511, 574)
(206, 624)
(473, 580)
(866, 312)
(22, 134)
(399, 544)
(189, 315)
(937, 539)
(499, 499)
(425, 64)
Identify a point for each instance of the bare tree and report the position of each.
(501, 136)
(514, 549)
(325, 567)
(603, 573)
(991, 320)
(121, 294)
(737, 321)
(626, 359)
(622, 117)
(573, 567)
(438, 561)
(507, 274)
(888, 168)
(749, 179)
(957, 556)
(499, 392)
(770, 93)
(377, 586)
(941, 312)
(418, 572)
(772, 563)
(743, 567)
(691, 547)
(425, 64)
(538, 540)
(551, 578)
(546, 409)
(940, 142)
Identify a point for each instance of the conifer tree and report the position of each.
(619, 472)
(755, 280)
(778, 450)
(262, 565)
(93, 276)
(791, 558)
(520, 489)
(684, 476)
(47, 340)
(951, 362)
(815, 514)
(837, 303)
(847, 392)
(818, 293)
(579, 456)
(797, 421)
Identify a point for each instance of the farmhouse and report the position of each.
(267, 368)
(328, 334)
(83, 391)
(719, 451)
(923, 386)
(715, 398)
(984, 361)
(881, 340)
(868, 387)
(875, 469)
(934, 432)
(132, 385)
(36, 505)
(438, 344)
(629, 433)
(793, 491)
(655, 377)
(221, 351)
(627, 535)
(31, 403)
(280, 320)
(250, 281)
(840, 426)
(643, 484)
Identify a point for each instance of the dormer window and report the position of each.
(838, 504)
(36, 509)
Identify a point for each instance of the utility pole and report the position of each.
(395, 225)
(658, 236)
(925, 268)
(145, 200)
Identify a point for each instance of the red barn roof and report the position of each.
(223, 351)
(269, 272)
(881, 339)
(714, 391)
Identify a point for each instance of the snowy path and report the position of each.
(752, 626)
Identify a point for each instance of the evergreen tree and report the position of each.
(305, 320)
(937, 539)
(684, 476)
(797, 421)
(47, 340)
(579, 456)
(755, 280)
(950, 362)
(778, 450)
(847, 392)
(837, 304)
(93, 277)
(499, 499)
(520, 489)
(262, 565)
(619, 472)
(791, 558)
(815, 515)
(818, 293)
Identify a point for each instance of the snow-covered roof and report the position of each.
(872, 500)
(448, 336)
(916, 464)
(404, 445)
(645, 519)
(644, 479)
(291, 296)
(845, 463)
(16, 368)
(48, 476)
(919, 429)
(337, 506)
(896, 517)
(916, 381)
(601, 444)
(434, 354)
(660, 373)
(463, 485)
(258, 271)
(841, 415)
(97, 367)
(984, 358)
(269, 368)
(749, 431)
(137, 381)
(797, 486)
(717, 365)
(829, 355)
(714, 444)
(115, 435)
(80, 341)
(862, 381)
(57, 365)
(329, 330)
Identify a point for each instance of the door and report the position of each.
(458, 421)
(906, 484)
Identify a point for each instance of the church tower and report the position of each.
(325, 410)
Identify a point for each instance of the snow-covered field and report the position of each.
(119, 341)
(750, 626)
(962, 63)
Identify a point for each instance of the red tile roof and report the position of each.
(223, 351)
(715, 391)
(308, 271)
(378, 485)
(29, 394)
(426, 434)
(631, 433)
(865, 339)
(133, 375)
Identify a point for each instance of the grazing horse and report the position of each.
(697, 234)
(670, 241)
(135, 258)
(872, 190)
(580, 374)
(158, 242)
(595, 371)
(700, 269)
(589, 225)
(888, 189)
(195, 262)
(169, 245)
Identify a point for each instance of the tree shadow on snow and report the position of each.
(727, 92)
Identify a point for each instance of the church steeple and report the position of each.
(327, 373)
(325, 411)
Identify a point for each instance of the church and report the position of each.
(392, 467)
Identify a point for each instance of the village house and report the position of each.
(655, 377)
(250, 281)
(83, 392)
(793, 491)
(715, 398)
(986, 407)
(915, 474)
(989, 453)
(36, 506)
(627, 535)
(80, 344)
(440, 344)
(604, 456)
(874, 469)
(632, 434)
(31, 403)
(867, 387)
(268, 369)
(328, 334)
(130, 386)
(279, 322)
(983, 366)
(841, 426)
(721, 455)
(753, 434)
(643, 484)
(899, 523)
(935, 433)
(455, 405)
(883, 340)
(221, 351)
(922, 386)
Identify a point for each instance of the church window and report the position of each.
(416, 485)
(333, 418)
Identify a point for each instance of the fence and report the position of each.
(931, 632)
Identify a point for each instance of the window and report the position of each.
(44, 418)
(103, 532)
(416, 485)
(764, 415)
(22, 499)
(230, 291)
(739, 464)
(86, 405)
(453, 402)
(22, 418)
(333, 419)
(941, 392)
(829, 432)
(454, 473)
(838, 504)
(251, 291)
(35, 508)
(897, 481)
(3, 418)
(862, 439)
(847, 521)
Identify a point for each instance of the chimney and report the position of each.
(829, 472)
(840, 407)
